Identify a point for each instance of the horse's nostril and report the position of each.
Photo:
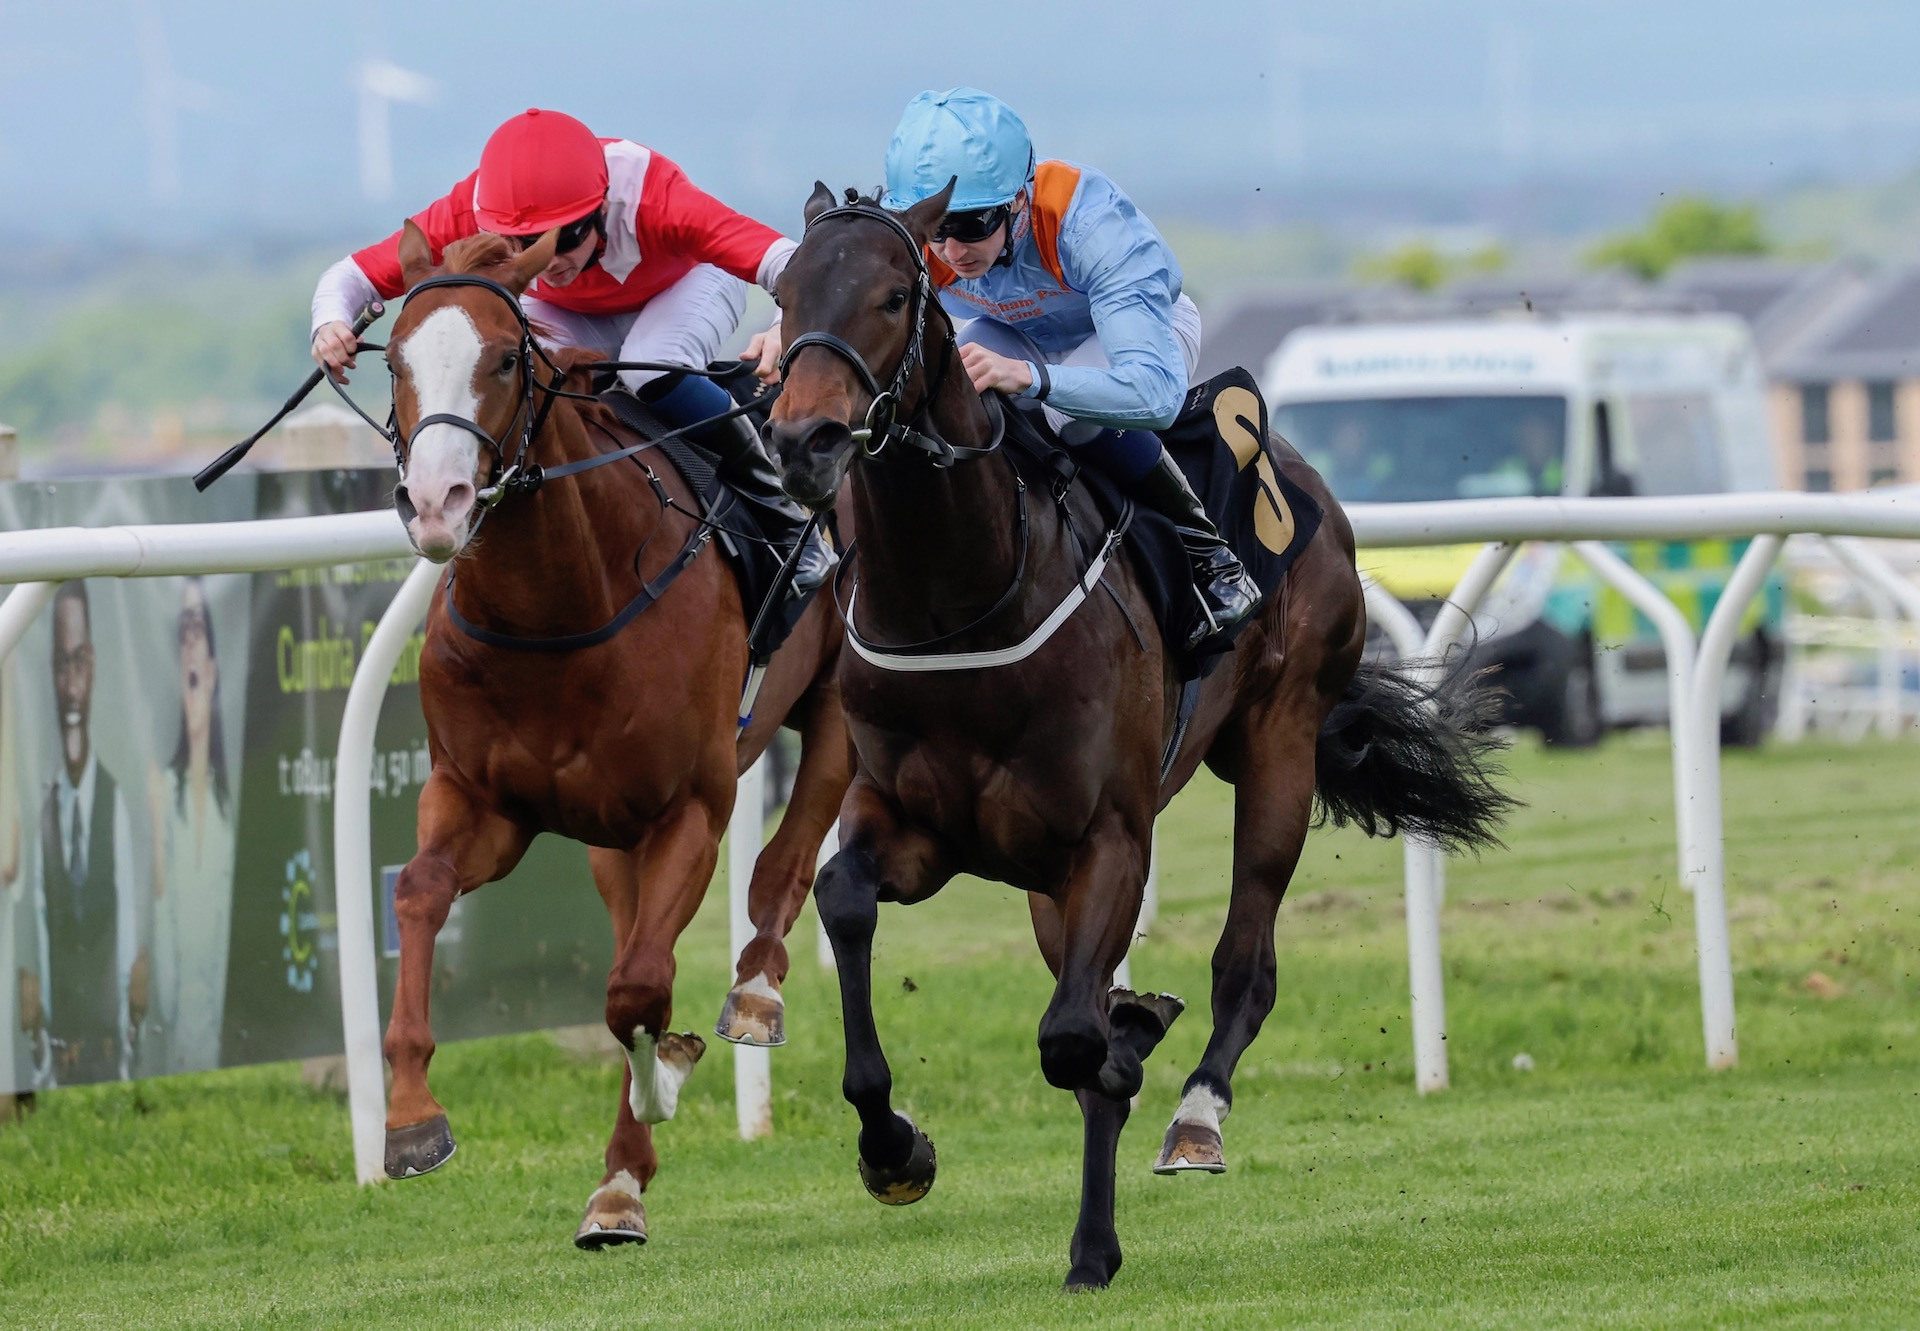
(404, 504)
(459, 499)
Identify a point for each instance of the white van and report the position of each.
(1599, 404)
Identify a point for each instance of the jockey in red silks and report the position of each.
(648, 267)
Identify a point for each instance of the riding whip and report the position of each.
(221, 465)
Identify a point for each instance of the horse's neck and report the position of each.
(940, 545)
(560, 560)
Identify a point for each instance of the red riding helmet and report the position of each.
(540, 170)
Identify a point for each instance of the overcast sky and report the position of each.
(218, 115)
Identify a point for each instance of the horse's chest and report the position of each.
(594, 758)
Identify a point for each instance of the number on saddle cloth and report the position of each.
(1219, 441)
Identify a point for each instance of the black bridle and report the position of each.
(883, 425)
(507, 477)
(521, 475)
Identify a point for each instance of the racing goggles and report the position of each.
(972, 227)
(572, 235)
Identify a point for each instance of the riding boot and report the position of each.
(1227, 594)
(745, 464)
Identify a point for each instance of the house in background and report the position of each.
(1840, 343)
(1846, 398)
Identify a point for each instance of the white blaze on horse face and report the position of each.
(656, 1082)
(441, 357)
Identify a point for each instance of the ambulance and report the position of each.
(1587, 404)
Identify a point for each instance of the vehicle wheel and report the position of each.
(1752, 721)
(1575, 722)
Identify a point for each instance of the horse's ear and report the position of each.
(531, 262)
(818, 202)
(416, 255)
(924, 216)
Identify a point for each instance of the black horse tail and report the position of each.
(1395, 756)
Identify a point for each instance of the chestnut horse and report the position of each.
(628, 744)
(1047, 774)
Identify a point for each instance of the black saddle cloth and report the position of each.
(1221, 442)
(751, 550)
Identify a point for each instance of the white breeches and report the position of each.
(687, 324)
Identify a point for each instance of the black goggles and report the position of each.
(971, 228)
(572, 235)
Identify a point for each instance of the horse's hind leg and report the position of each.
(896, 1157)
(1273, 802)
(754, 1012)
(462, 845)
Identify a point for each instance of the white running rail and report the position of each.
(33, 561)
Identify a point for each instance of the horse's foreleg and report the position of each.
(650, 893)
(615, 1213)
(463, 844)
(896, 1157)
(673, 867)
(1273, 803)
(1097, 910)
(1135, 1024)
(1096, 1243)
(754, 1012)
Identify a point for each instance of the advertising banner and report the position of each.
(166, 804)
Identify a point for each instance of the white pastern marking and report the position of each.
(623, 1183)
(656, 1083)
(1202, 1107)
(440, 357)
(759, 987)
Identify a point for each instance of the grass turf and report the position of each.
(1617, 1183)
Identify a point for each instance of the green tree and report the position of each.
(1682, 229)
(1419, 266)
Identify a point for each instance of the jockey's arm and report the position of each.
(1131, 278)
(709, 230)
(345, 288)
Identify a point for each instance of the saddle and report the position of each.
(1220, 441)
(750, 549)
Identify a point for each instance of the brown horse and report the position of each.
(627, 744)
(1046, 774)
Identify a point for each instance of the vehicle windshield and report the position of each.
(1409, 448)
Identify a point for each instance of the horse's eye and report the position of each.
(896, 302)
(510, 362)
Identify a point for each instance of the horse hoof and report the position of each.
(1092, 1273)
(1156, 1011)
(614, 1216)
(1190, 1148)
(753, 1018)
(419, 1148)
(680, 1050)
(909, 1182)
(1070, 1059)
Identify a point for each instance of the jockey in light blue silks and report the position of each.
(1073, 305)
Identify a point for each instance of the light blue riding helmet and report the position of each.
(962, 133)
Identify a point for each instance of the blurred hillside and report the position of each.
(115, 355)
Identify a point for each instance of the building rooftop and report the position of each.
(1811, 321)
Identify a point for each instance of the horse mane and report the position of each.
(476, 253)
